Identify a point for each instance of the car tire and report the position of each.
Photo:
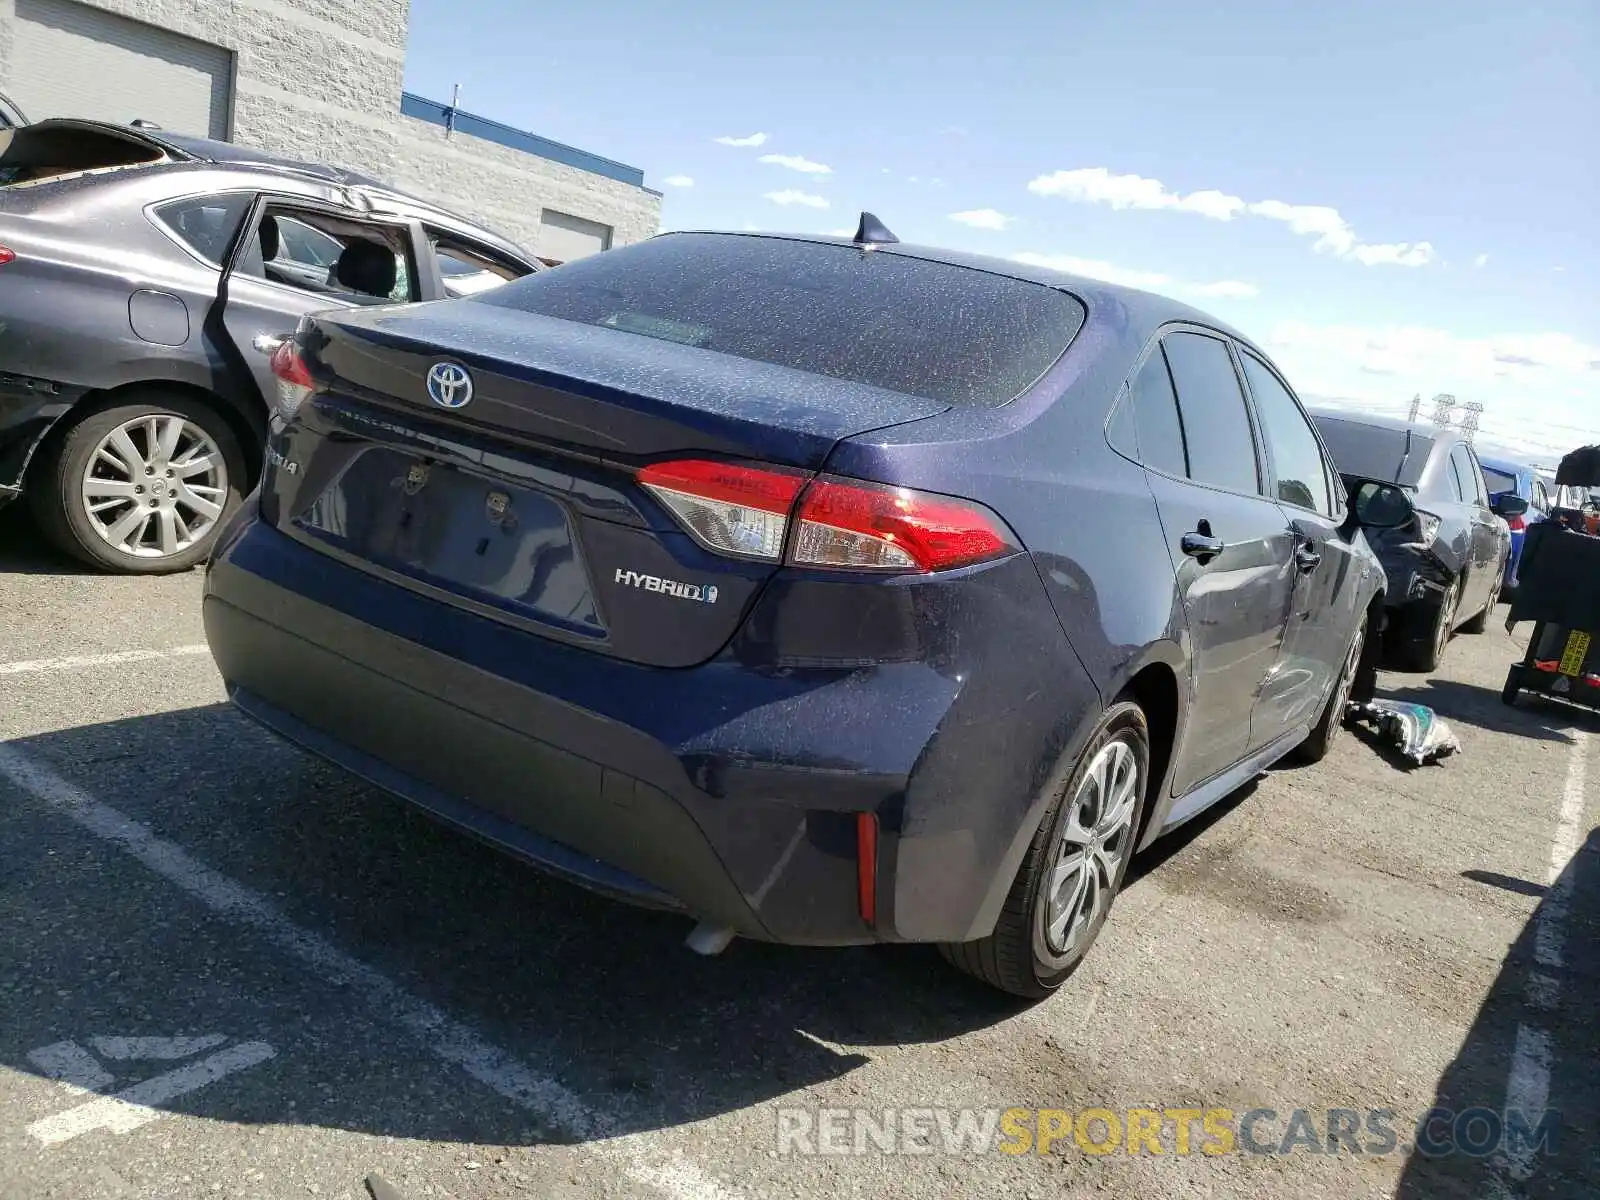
(1043, 934)
(1427, 631)
(71, 490)
(1480, 623)
(1315, 748)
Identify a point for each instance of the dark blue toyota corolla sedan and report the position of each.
(828, 591)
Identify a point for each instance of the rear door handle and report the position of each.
(1201, 545)
(1307, 558)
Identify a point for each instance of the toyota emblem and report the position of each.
(449, 385)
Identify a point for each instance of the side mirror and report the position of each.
(1379, 505)
(1508, 504)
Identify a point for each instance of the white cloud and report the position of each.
(791, 196)
(1097, 185)
(1154, 281)
(1232, 288)
(1539, 390)
(755, 139)
(1481, 261)
(1399, 254)
(795, 163)
(982, 218)
(845, 232)
(678, 181)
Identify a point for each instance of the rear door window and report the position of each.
(1153, 421)
(1458, 489)
(206, 224)
(955, 334)
(1472, 489)
(1499, 481)
(1216, 424)
(1297, 463)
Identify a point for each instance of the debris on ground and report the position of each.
(1420, 735)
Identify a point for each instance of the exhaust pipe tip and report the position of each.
(709, 940)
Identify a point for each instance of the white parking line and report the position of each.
(140, 1104)
(79, 662)
(1528, 1084)
(637, 1156)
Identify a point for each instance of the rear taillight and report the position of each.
(1517, 524)
(728, 508)
(294, 380)
(1427, 529)
(832, 522)
(7, 254)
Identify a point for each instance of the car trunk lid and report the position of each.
(522, 502)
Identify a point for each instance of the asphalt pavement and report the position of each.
(227, 969)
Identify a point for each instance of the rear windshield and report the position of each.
(1498, 481)
(1375, 451)
(38, 152)
(952, 334)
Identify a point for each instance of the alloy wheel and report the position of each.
(1447, 618)
(1096, 836)
(1347, 679)
(155, 486)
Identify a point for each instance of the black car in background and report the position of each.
(1445, 565)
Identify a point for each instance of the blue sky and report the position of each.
(1393, 197)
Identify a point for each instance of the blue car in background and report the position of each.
(1503, 475)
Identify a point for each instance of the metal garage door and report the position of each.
(70, 60)
(564, 237)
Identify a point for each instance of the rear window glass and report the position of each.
(34, 153)
(948, 333)
(1498, 481)
(1375, 451)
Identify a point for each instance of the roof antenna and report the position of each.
(872, 232)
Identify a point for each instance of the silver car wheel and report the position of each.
(1447, 618)
(1096, 836)
(155, 486)
(1347, 678)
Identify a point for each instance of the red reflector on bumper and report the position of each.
(867, 866)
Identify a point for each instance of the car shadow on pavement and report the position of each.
(1541, 1018)
(602, 998)
(24, 550)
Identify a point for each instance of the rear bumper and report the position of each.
(729, 791)
(1414, 577)
(29, 407)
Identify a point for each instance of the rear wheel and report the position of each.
(1073, 869)
(140, 487)
(1480, 623)
(1428, 629)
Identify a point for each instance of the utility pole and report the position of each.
(1416, 409)
(1444, 405)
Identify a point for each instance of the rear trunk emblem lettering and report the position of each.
(703, 594)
